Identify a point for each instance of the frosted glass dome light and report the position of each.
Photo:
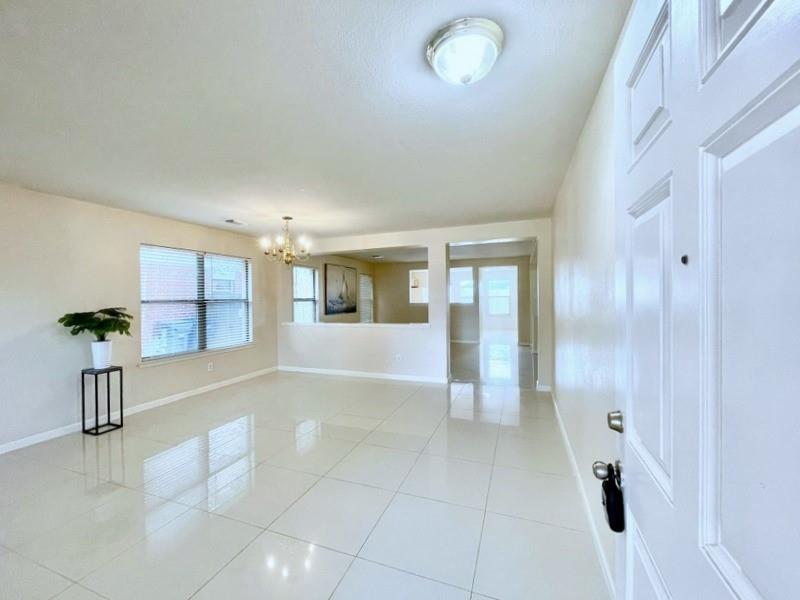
(464, 51)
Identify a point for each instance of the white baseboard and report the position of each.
(464, 342)
(598, 546)
(362, 374)
(39, 437)
(132, 410)
(194, 392)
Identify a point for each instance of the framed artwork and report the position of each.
(341, 289)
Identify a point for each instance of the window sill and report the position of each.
(360, 325)
(156, 362)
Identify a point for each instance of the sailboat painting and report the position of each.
(340, 289)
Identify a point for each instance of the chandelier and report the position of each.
(284, 249)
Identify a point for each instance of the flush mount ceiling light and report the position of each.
(464, 51)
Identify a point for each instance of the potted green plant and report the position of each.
(100, 323)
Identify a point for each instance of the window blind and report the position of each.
(365, 298)
(193, 301)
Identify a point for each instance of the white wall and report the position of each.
(412, 350)
(61, 255)
(584, 308)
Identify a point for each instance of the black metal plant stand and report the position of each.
(99, 429)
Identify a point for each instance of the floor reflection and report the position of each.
(318, 487)
(497, 360)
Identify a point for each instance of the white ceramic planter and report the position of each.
(101, 354)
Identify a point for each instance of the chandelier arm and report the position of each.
(284, 250)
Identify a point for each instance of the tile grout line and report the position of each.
(121, 552)
(82, 587)
(426, 577)
(217, 572)
(485, 511)
(394, 495)
(263, 529)
(414, 390)
(266, 460)
(370, 560)
(45, 567)
(271, 523)
(347, 570)
(49, 532)
(267, 529)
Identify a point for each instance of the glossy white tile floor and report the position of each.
(304, 487)
(498, 360)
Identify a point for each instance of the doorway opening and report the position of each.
(492, 312)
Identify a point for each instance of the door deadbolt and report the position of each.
(616, 421)
(600, 469)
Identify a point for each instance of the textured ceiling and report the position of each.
(203, 110)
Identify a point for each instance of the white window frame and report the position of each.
(202, 306)
(411, 288)
(314, 300)
(455, 297)
(493, 295)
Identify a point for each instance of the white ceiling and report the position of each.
(460, 252)
(203, 110)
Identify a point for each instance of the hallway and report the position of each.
(300, 486)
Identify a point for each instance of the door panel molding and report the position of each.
(723, 24)
(655, 454)
(647, 86)
(638, 551)
(770, 117)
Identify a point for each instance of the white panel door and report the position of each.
(707, 117)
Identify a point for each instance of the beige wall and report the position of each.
(390, 289)
(464, 318)
(391, 294)
(584, 308)
(318, 262)
(61, 255)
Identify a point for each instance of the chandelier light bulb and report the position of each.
(284, 250)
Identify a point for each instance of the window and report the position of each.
(365, 298)
(499, 293)
(462, 285)
(305, 295)
(418, 286)
(193, 301)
